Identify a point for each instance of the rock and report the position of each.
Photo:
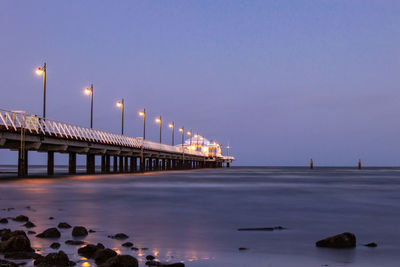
(121, 261)
(29, 224)
(50, 233)
(127, 244)
(119, 236)
(178, 264)
(371, 245)
(150, 257)
(344, 240)
(55, 245)
(92, 231)
(144, 248)
(79, 231)
(8, 263)
(51, 218)
(243, 249)
(21, 255)
(21, 218)
(88, 251)
(59, 259)
(134, 248)
(16, 242)
(64, 225)
(74, 242)
(3, 221)
(102, 255)
(31, 232)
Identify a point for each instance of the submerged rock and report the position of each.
(371, 245)
(121, 261)
(119, 236)
(92, 231)
(150, 257)
(59, 259)
(21, 218)
(79, 231)
(64, 225)
(262, 228)
(50, 233)
(29, 224)
(344, 240)
(31, 232)
(241, 249)
(3, 220)
(88, 251)
(127, 244)
(55, 245)
(74, 242)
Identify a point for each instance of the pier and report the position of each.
(23, 133)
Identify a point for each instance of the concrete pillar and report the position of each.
(90, 164)
(133, 164)
(227, 165)
(115, 164)
(142, 164)
(156, 164)
(72, 163)
(126, 164)
(22, 164)
(150, 164)
(108, 163)
(50, 163)
(121, 164)
(103, 163)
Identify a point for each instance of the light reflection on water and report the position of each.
(193, 216)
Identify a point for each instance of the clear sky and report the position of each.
(280, 81)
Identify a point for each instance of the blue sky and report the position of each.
(280, 81)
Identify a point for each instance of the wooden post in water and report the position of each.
(311, 164)
(359, 164)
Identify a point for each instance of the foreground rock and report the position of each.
(345, 240)
(79, 231)
(3, 220)
(121, 261)
(159, 264)
(74, 242)
(50, 233)
(88, 251)
(59, 259)
(16, 245)
(8, 263)
(64, 225)
(29, 224)
(55, 245)
(127, 244)
(102, 255)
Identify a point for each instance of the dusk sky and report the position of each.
(280, 81)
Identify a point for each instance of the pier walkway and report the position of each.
(24, 133)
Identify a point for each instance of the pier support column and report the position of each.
(22, 164)
(227, 165)
(126, 164)
(142, 164)
(150, 164)
(50, 163)
(115, 164)
(107, 163)
(72, 163)
(156, 164)
(103, 163)
(121, 164)
(133, 164)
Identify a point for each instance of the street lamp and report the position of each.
(159, 120)
(89, 91)
(172, 126)
(227, 149)
(143, 114)
(43, 71)
(121, 105)
(190, 134)
(182, 130)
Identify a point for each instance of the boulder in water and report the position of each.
(344, 240)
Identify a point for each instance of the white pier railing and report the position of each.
(17, 120)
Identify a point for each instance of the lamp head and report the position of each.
(39, 71)
(119, 104)
(88, 91)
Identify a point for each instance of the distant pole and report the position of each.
(359, 164)
(43, 71)
(144, 124)
(121, 104)
(160, 129)
(311, 164)
(172, 126)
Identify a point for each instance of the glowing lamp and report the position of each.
(39, 71)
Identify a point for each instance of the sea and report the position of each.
(193, 216)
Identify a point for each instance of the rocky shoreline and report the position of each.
(16, 249)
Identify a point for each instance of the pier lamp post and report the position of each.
(143, 114)
(43, 71)
(172, 126)
(121, 105)
(159, 120)
(182, 130)
(89, 91)
(190, 134)
(227, 150)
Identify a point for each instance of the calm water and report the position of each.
(193, 216)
